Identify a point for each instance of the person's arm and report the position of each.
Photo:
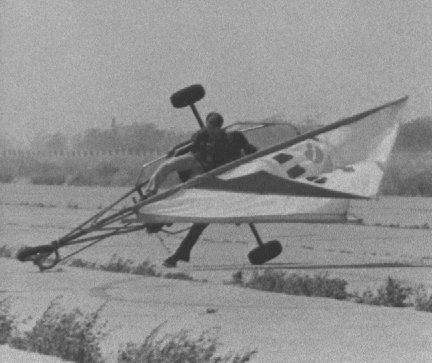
(196, 140)
(246, 146)
(180, 149)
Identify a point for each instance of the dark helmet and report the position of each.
(215, 119)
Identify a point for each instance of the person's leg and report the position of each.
(178, 163)
(183, 251)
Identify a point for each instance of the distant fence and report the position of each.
(70, 154)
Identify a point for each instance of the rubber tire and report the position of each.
(28, 252)
(264, 253)
(187, 96)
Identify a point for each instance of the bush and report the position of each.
(120, 265)
(6, 176)
(68, 335)
(408, 174)
(79, 262)
(422, 301)
(6, 321)
(6, 251)
(81, 177)
(178, 276)
(105, 172)
(117, 264)
(293, 284)
(146, 268)
(8, 171)
(48, 174)
(179, 347)
(237, 278)
(394, 293)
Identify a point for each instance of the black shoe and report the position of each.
(183, 258)
(170, 262)
(154, 227)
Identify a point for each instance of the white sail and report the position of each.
(309, 179)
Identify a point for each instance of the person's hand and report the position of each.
(171, 152)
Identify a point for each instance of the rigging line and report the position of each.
(78, 251)
(85, 247)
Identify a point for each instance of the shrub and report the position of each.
(81, 177)
(117, 264)
(8, 170)
(68, 335)
(6, 175)
(120, 265)
(47, 174)
(6, 251)
(105, 172)
(178, 276)
(294, 284)
(237, 278)
(79, 262)
(6, 321)
(179, 347)
(422, 301)
(146, 268)
(394, 293)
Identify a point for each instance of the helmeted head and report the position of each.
(214, 121)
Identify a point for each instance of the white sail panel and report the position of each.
(309, 181)
(213, 206)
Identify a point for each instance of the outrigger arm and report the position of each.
(109, 222)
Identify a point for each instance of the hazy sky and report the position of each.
(67, 65)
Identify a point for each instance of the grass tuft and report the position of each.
(75, 336)
(178, 276)
(6, 321)
(69, 335)
(422, 301)
(180, 347)
(79, 262)
(6, 251)
(120, 265)
(71, 205)
(146, 268)
(394, 293)
(294, 284)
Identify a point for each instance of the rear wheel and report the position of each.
(40, 256)
(266, 252)
(29, 253)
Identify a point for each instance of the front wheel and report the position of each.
(264, 253)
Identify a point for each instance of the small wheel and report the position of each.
(30, 253)
(265, 253)
(40, 256)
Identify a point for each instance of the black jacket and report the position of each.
(221, 148)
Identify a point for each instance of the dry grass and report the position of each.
(393, 293)
(76, 336)
(180, 347)
(6, 321)
(70, 335)
(120, 265)
(294, 284)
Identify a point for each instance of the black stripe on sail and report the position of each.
(264, 183)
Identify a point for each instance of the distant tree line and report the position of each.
(415, 135)
(137, 138)
(140, 138)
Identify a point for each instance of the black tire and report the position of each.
(265, 253)
(26, 253)
(187, 96)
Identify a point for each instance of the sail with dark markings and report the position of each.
(307, 178)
